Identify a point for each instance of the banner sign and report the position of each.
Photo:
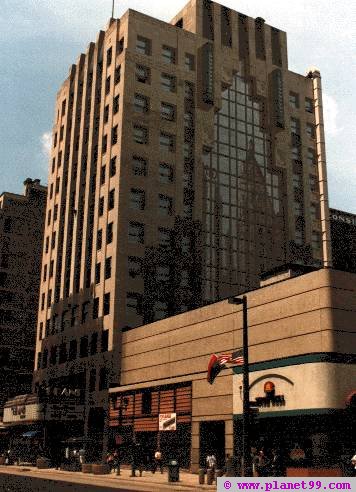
(167, 422)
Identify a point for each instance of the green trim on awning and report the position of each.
(331, 357)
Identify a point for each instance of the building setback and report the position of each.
(187, 160)
(343, 240)
(21, 233)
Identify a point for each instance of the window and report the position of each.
(296, 154)
(167, 142)
(168, 54)
(42, 302)
(186, 244)
(168, 111)
(133, 303)
(310, 130)
(109, 56)
(160, 310)
(72, 350)
(189, 61)
(260, 38)
(103, 379)
(51, 191)
(64, 107)
(188, 120)
(294, 100)
(295, 126)
(53, 241)
(107, 85)
(143, 74)
(298, 209)
(189, 90)
(140, 135)
(143, 45)
(311, 158)
(93, 344)
(165, 173)
(101, 206)
(316, 240)
(61, 134)
(116, 104)
(139, 166)
(164, 237)
(134, 266)
(112, 167)
(55, 213)
(8, 225)
(109, 233)
(53, 164)
(137, 199)
(108, 268)
(162, 273)
(83, 351)
(146, 402)
(5, 262)
(96, 308)
(184, 278)
(49, 217)
(104, 144)
(117, 74)
(106, 114)
(59, 159)
(141, 103)
(120, 46)
(51, 268)
(74, 316)
(114, 135)
(111, 202)
(299, 238)
(106, 304)
(314, 185)
(104, 340)
(168, 83)
(136, 232)
(309, 105)
(314, 211)
(97, 273)
(47, 244)
(165, 205)
(85, 311)
(297, 180)
(92, 380)
(55, 140)
(53, 356)
(65, 320)
(102, 174)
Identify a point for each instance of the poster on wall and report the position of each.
(167, 422)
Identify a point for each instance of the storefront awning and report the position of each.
(33, 433)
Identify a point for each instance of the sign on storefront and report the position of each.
(22, 413)
(62, 411)
(167, 422)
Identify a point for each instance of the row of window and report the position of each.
(70, 317)
(69, 352)
(295, 102)
(298, 182)
(169, 55)
(296, 130)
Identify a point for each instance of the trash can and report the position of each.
(173, 471)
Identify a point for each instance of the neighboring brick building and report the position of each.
(343, 240)
(21, 235)
(186, 161)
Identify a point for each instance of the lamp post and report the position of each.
(246, 448)
(123, 406)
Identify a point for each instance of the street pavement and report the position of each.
(28, 479)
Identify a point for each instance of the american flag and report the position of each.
(232, 358)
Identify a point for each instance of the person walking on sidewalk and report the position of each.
(158, 462)
(211, 462)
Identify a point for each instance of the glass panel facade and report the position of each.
(243, 194)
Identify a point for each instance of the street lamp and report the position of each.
(246, 451)
(124, 402)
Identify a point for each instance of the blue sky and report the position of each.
(41, 38)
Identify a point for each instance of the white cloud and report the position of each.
(46, 144)
(331, 112)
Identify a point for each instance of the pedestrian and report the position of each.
(263, 464)
(116, 460)
(353, 461)
(110, 461)
(211, 462)
(158, 461)
(277, 464)
(82, 456)
(136, 460)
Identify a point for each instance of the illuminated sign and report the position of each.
(167, 422)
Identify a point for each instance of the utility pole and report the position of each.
(246, 446)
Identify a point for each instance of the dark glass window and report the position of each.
(111, 202)
(120, 46)
(112, 167)
(117, 74)
(102, 174)
(146, 402)
(164, 237)
(309, 105)
(165, 205)
(260, 38)
(94, 344)
(294, 100)
(116, 104)
(168, 54)
(109, 233)
(103, 379)
(101, 206)
(97, 273)
(72, 350)
(136, 232)
(160, 310)
(106, 114)
(276, 47)
(168, 82)
(143, 45)
(165, 173)
(105, 340)
(140, 135)
(99, 239)
(133, 301)
(44, 358)
(189, 62)
(106, 304)
(226, 33)
(137, 199)
(92, 380)
(114, 135)
(96, 308)
(134, 266)
(141, 103)
(84, 347)
(108, 268)
(143, 74)
(107, 85)
(168, 111)
(167, 142)
(109, 56)
(139, 166)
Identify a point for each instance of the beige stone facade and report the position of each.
(21, 232)
(186, 161)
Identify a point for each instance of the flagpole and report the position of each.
(113, 9)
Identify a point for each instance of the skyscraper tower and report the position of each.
(187, 159)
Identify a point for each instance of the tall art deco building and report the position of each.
(187, 159)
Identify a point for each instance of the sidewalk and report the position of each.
(148, 482)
